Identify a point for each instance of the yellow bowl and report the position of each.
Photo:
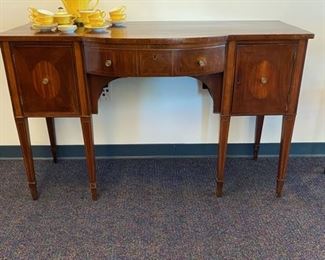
(43, 20)
(39, 12)
(118, 10)
(64, 19)
(118, 17)
(97, 14)
(84, 15)
(97, 22)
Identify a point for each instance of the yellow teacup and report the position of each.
(39, 12)
(117, 11)
(118, 17)
(32, 12)
(96, 22)
(97, 14)
(84, 15)
(64, 19)
(43, 20)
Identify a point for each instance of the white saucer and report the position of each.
(69, 28)
(44, 27)
(117, 22)
(97, 28)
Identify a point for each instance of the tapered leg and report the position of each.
(23, 133)
(222, 152)
(87, 130)
(258, 133)
(286, 134)
(51, 130)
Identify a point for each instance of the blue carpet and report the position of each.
(163, 209)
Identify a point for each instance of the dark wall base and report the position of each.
(161, 150)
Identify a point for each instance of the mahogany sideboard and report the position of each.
(249, 68)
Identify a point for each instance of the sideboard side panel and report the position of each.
(297, 77)
(11, 79)
(82, 80)
(228, 80)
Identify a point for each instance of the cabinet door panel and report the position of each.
(263, 78)
(46, 79)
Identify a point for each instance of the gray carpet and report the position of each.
(163, 209)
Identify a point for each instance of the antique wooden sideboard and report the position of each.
(249, 68)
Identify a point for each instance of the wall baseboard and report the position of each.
(165, 150)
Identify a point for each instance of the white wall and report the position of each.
(176, 110)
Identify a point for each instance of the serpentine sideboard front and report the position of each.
(249, 68)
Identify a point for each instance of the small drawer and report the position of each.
(199, 61)
(155, 63)
(110, 62)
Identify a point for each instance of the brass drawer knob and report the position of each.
(264, 80)
(202, 62)
(108, 63)
(45, 81)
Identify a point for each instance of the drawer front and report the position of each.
(155, 62)
(46, 79)
(199, 61)
(110, 62)
(263, 78)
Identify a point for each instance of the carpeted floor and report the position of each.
(163, 209)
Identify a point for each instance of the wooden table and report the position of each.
(249, 68)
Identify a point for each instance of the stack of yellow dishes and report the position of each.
(42, 19)
(118, 15)
(94, 20)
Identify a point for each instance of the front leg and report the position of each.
(288, 122)
(87, 131)
(222, 152)
(24, 138)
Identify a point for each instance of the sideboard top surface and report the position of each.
(164, 32)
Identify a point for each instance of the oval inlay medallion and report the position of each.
(263, 78)
(46, 80)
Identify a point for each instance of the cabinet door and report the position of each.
(46, 79)
(263, 78)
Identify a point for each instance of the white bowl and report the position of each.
(67, 28)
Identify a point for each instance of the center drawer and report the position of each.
(155, 62)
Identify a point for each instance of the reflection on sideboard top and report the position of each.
(160, 32)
